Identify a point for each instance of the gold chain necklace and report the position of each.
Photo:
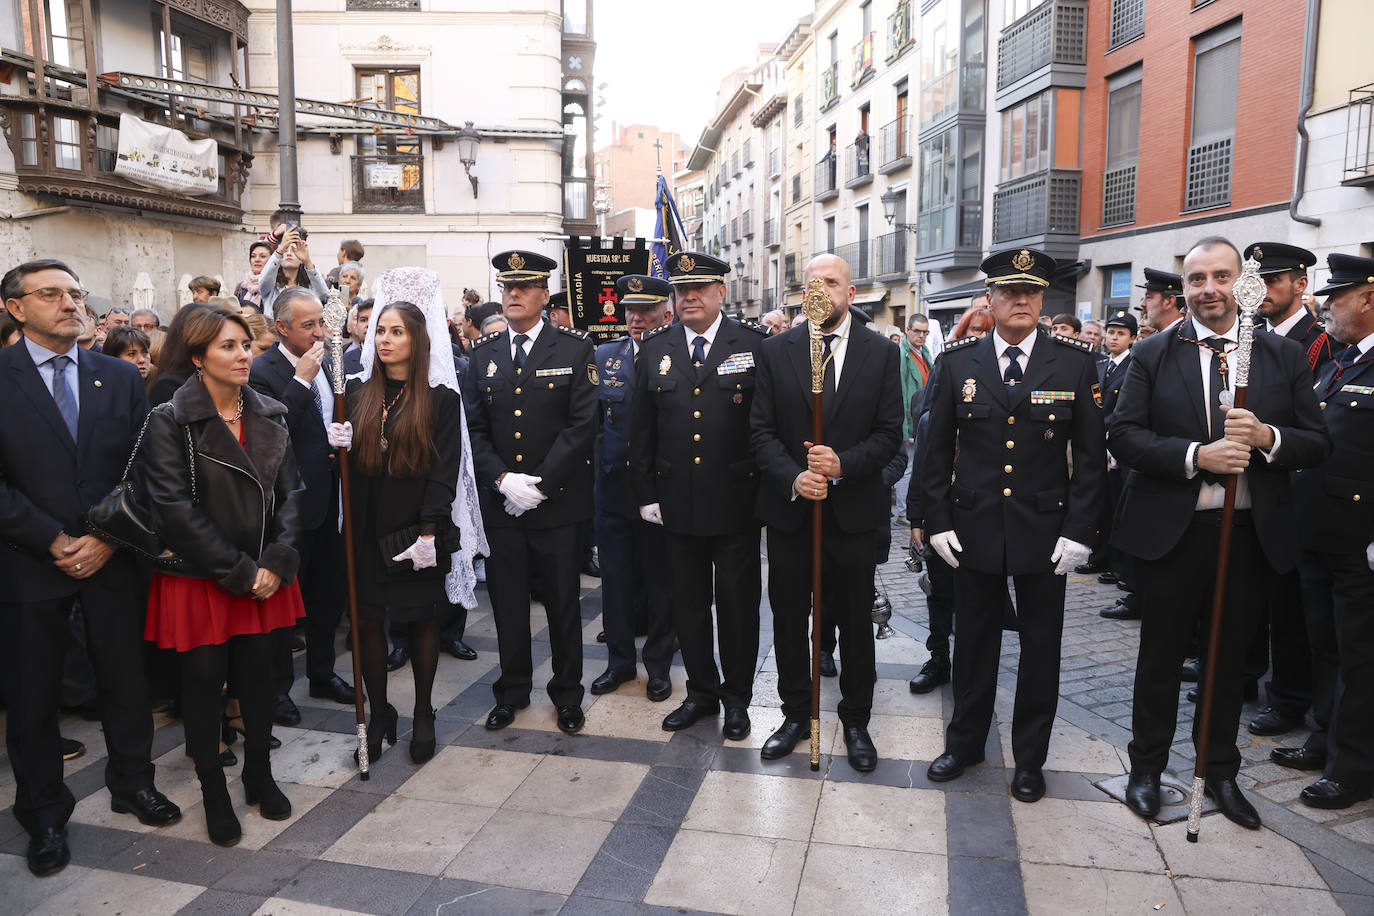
(386, 411)
(238, 414)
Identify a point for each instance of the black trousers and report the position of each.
(1281, 635)
(633, 587)
(323, 591)
(847, 563)
(1176, 600)
(727, 567)
(1339, 593)
(980, 601)
(939, 603)
(34, 641)
(557, 554)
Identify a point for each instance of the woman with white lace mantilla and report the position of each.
(413, 498)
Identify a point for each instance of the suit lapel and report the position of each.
(92, 401)
(1190, 367)
(800, 348)
(1038, 366)
(986, 372)
(500, 354)
(855, 356)
(720, 348)
(679, 354)
(540, 351)
(27, 380)
(1299, 331)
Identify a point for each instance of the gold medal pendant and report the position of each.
(385, 444)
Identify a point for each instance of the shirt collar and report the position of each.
(1117, 360)
(1201, 332)
(709, 333)
(1366, 345)
(41, 354)
(1283, 327)
(1026, 345)
(291, 358)
(532, 333)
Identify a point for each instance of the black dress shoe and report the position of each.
(336, 689)
(1108, 578)
(503, 714)
(149, 805)
(459, 649)
(570, 719)
(610, 680)
(1142, 793)
(1298, 758)
(1189, 671)
(1232, 802)
(950, 766)
(933, 673)
(397, 658)
(863, 756)
(71, 748)
(828, 664)
(1027, 785)
(658, 689)
(285, 712)
(1122, 610)
(687, 714)
(1330, 794)
(1273, 721)
(601, 636)
(1251, 693)
(736, 723)
(783, 741)
(1089, 568)
(591, 568)
(48, 852)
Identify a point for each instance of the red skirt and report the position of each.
(186, 613)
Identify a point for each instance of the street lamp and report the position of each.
(468, 141)
(889, 202)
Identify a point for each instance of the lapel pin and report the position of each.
(97, 383)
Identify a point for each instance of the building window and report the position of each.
(28, 139)
(191, 56)
(107, 148)
(1128, 22)
(1013, 10)
(952, 59)
(388, 172)
(575, 17)
(1123, 146)
(949, 196)
(66, 143)
(1026, 137)
(1216, 76)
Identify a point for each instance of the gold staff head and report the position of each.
(816, 304)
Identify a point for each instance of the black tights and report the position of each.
(424, 662)
(247, 661)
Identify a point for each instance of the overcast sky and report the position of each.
(664, 61)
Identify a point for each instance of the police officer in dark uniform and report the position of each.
(692, 472)
(531, 408)
(1162, 304)
(1120, 335)
(633, 583)
(1284, 269)
(1013, 404)
(1336, 523)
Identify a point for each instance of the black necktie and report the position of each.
(1012, 376)
(1216, 386)
(828, 386)
(699, 353)
(519, 359)
(1349, 357)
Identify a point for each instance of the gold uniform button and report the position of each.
(1051, 417)
(697, 460)
(696, 437)
(1323, 405)
(1005, 470)
(517, 413)
(696, 414)
(739, 387)
(1011, 444)
(1010, 420)
(551, 385)
(1354, 403)
(1357, 497)
(517, 435)
(519, 457)
(696, 391)
(1007, 491)
(517, 391)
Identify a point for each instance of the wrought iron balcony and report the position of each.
(858, 157)
(858, 255)
(771, 237)
(394, 183)
(826, 187)
(774, 162)
(385, 5)
(790, 276)
(770, 299)
(735, 169)
(1359, 137)
(748, 153)
(890, 254)
(747, 224)
(1035, 206)
(796, 189)
(797, 110)
(1052, 33)
(894, 145)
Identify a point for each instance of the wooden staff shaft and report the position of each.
(1209, 671)
(350, 576)
(816, 507)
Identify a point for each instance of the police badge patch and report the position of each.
(1097, 394)
(591, 373)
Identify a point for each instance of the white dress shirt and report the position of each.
(532, 333)
(47, 371)
(709, 334)
(840, 345)
(1286, 325)
(320, 384)
(1003, 360)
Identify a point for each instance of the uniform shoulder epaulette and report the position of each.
(1074, 342)
(961, 342)
(488, 338)
(754, 326)
(574, 332)
(655, 332)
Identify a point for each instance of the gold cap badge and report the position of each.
(1023, 260)
(635, 285)
(686, 263)
(515, 261)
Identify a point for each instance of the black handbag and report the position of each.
(122, 518)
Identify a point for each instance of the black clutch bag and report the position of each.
(121, 517)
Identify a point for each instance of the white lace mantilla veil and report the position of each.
(420, 286)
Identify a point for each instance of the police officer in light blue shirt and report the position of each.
(634, 586)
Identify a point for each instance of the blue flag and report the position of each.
(668, 225)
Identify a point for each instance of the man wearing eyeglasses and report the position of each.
(67, 435)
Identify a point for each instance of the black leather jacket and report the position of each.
(247, 511)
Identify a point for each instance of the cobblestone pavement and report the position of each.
(626, 818)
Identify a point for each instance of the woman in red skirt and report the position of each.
(226, 497)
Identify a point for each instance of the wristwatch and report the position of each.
(1197, 451)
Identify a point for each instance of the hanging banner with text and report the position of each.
(590, 271)
(160, 157)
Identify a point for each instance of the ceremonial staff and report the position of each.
(816, 305)
(1249, 291)
(336, 319)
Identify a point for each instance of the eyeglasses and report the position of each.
(51, 294)
(521, 284)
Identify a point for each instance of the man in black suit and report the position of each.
(296, 372)
(1175, 432)
(1120, 337)
(691, 471)
(71, 420)
(531, 407)
(353, 354)
(862, 424)
(1012, 405)
(1336, 512)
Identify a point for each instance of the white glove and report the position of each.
(1369, 555)
(651, 513)
(513, 509)
(946, 544)
(521, 489)
(1068, 554)
(421, 553)
(340, 435)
